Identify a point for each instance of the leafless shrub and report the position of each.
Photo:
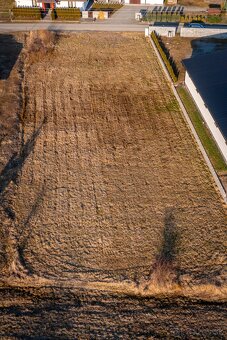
(163, 271)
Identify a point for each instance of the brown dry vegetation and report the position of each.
(106, 187)
(106, 203)
(201, 3)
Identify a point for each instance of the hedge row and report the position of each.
(168, 17)
(167, 59)
(213, 19)
(107, 6)
(27, 13)
(4, 15)
(66, 14)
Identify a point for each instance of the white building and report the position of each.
(45, 4)
(206, 80)
(79, 3)
(144, 2)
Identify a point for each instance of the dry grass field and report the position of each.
(110, 184)
(101, 182)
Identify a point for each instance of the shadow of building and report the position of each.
(10, 50)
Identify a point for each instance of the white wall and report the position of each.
(62, 4)
(220, 140)
(65, 4)
(155, 2)
(147, 2)
(27, 3)
(163, 31)
(203, 32)
(152, 2)
(79, 4)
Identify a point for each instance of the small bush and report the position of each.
(214, 18)
(28, 13)
(106, 7)
(167, 59)
(72, 14)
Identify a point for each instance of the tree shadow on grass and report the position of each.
(26, 231)
(15, 259)
(16, 162)
(10, 50)
(164, 271)
(168, 250)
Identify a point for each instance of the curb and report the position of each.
(188, 121)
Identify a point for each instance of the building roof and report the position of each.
(209, 74)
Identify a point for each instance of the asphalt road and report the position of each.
(121, 21)
(69, 27)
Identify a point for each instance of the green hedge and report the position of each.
(27, 13)
(168, 17)
(106, 6)
(193, 18)
(213, 19)
(66, 14)
(167, 61)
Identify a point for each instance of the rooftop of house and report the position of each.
(209, 74)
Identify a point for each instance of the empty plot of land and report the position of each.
(111, 180)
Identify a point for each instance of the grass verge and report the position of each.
(204, 134)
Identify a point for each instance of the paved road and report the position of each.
(123, 20)
(13, 27)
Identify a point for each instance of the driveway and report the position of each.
(126, 15)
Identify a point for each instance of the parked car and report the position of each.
(195, 25)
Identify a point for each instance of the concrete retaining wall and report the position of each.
(190, 32)
(163, 31)
(220, 140)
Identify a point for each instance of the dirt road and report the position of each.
(63, 314)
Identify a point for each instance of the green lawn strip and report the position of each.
(204, 134)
